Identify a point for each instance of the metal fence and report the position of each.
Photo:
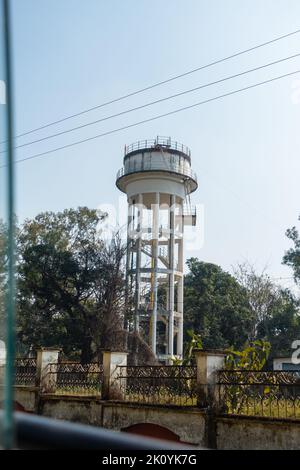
(273, 394)
(138, 167)
(157, 385)
(160, 141)
(25, 371)
(73, 378)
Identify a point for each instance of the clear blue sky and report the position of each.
(74, 54)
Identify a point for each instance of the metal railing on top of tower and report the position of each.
(159, 141)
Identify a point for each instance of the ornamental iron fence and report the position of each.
(165, 142)
(274, 394)
(73, 378)
(157, 385)
(25, 371)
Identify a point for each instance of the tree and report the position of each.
(261, 292)
(253, 357)
(70, 283)
(292, 256)
(216, 306)
(194, 342)
(276, 311)
(282, 326)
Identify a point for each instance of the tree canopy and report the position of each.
(292, 256)
(216, 306)
(70, 283)
(230, 311)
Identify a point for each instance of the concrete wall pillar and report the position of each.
(208, 362)
(112, 386)
(46, 369)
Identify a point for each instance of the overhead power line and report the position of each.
(149, 87)
(159, 116)
(151, 103)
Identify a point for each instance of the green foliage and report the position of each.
(292, 256)
(216, 306)
(194, 342)
(282, 325)
(252, 357)
(231, 311)
(70, 283)
(262, 293)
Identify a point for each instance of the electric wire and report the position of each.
(121, 113)
(168, 80)
(159, 116)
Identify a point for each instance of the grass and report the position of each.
(280, 408)
(78, 391)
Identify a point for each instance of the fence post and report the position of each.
(46, 356)
(208, 362)
(111, 361)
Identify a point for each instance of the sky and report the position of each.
(71, 55)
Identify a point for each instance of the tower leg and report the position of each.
(180, 294)
(155, 232)
(138, 262)
(171, 275)
(180, 322)
(128, 256)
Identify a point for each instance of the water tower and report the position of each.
(157, 179)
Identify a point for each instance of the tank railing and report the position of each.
(138, 167)
(159, 141)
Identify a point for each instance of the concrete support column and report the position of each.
(180, 319)
(113, 385)
(128, 256)
(180, 254)
(138, 261)
(208, 362)
(46, 369)
(155, 234)
(180, 289)
(171, 275)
